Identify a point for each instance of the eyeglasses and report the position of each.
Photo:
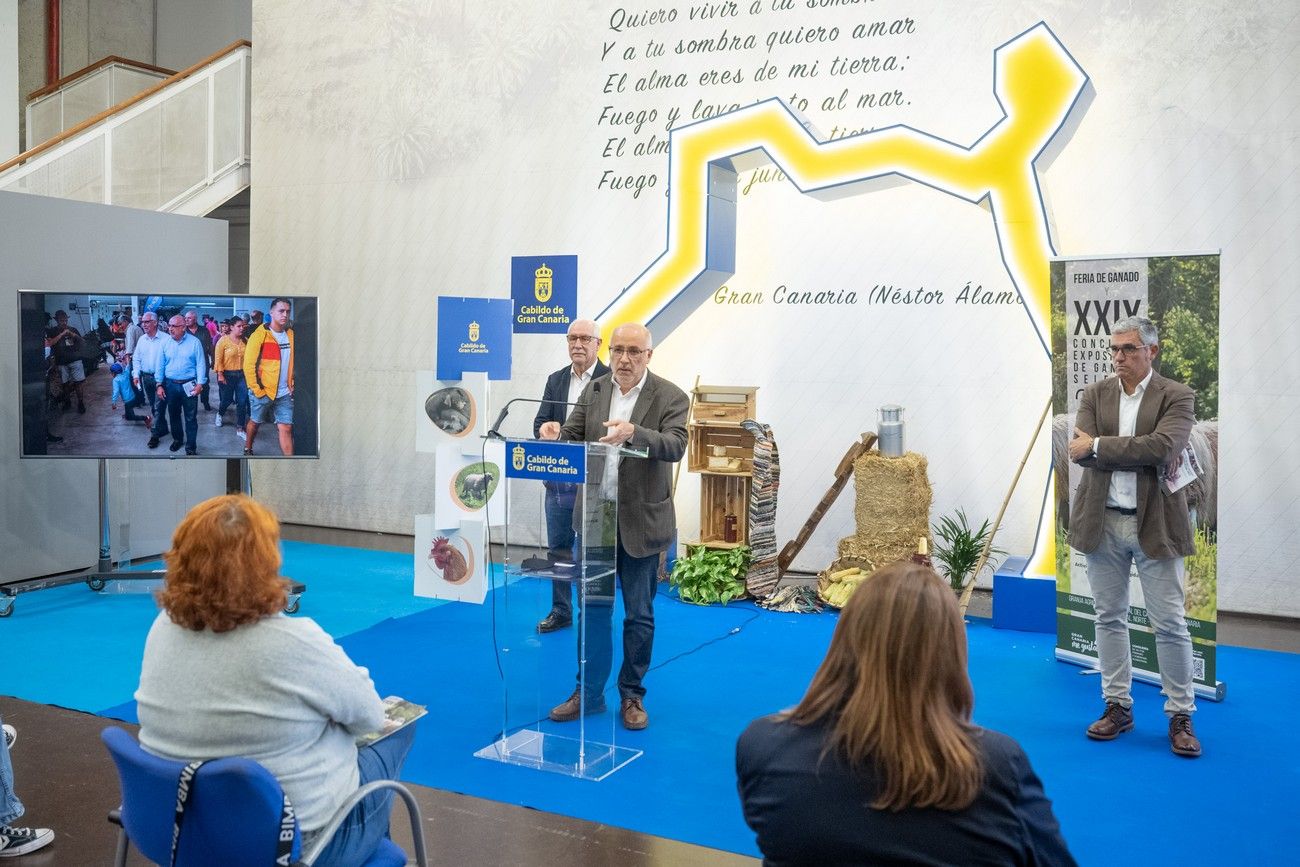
(580, 338)
(1126, 349)
(630, 351)
(177, 325)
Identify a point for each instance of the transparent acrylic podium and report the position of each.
(539, 671)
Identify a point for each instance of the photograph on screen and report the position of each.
(168, 376)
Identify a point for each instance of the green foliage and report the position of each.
(1062, 559)
(1059, 390)
(1184, 293)
(1202, 577)
(957, 547)
(1189, 353)
(710, 575)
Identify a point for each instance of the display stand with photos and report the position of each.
(97, 577)
(538, 671)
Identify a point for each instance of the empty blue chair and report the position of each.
(233, 813)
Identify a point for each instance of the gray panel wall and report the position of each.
(189, 30)
(49, 513)
(8, 79)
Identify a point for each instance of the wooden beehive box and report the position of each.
(723, 404)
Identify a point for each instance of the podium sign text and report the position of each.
(546, 461)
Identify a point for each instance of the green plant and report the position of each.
(710, 575)
(1062, 559)
(1202, 577)
(957, 547)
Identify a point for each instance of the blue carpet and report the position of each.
(1132, 789)
(715, 669)
(82, 649)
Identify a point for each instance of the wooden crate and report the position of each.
(705, 441)
(723, 404)
(722, 495)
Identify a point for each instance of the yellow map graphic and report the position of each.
(1036, 82)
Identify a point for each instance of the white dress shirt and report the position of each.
(145, 357)
(620, 404)
(577, 382)
(1123, 484)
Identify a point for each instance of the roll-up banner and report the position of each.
(1180, 294)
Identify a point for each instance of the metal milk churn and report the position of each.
(890, 431)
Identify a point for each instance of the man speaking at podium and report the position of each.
(565, 386)
(630, 407)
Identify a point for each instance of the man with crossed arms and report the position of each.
(1128, 427)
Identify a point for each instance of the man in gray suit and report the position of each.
(1128, 428)
(630, 406)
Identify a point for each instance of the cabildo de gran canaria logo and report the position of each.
(472, 346)
(542, 283)
(517, 457)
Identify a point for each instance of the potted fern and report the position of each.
(957, 548)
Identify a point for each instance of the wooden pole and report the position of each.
(966, 592)
(677, 471)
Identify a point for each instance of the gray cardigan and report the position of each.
(278, 691)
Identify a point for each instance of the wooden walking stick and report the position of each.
(966, 592)
(677, 471)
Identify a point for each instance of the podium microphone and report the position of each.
(495, 434)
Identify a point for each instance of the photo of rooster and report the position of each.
(454, 566)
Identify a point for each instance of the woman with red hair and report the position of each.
(880, 762)
(225, 673)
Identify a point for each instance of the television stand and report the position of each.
(98, 576)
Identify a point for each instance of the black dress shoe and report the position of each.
(153, 442)
(51, 438)
(552, 622)
(191, 451)
(175, 446)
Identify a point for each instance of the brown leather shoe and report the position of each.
(572, 707)
(634, 715)
(1116, 720)
(552, 622)
(1182, 740)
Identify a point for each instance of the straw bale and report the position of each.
(891, 509)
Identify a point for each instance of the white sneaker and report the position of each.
(11, 735)
(20, 841)
(217, 421)
(243, 436)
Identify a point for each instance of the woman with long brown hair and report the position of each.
(880, 762)
(225, 673)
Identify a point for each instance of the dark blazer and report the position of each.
(1164, 423)
(557, 388)
(646, 519)
(810, 809)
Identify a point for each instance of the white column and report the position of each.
(9, 105)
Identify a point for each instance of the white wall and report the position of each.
(190, 30)
(416, 161)
(49, 509)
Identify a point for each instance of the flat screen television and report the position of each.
(85, 396)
